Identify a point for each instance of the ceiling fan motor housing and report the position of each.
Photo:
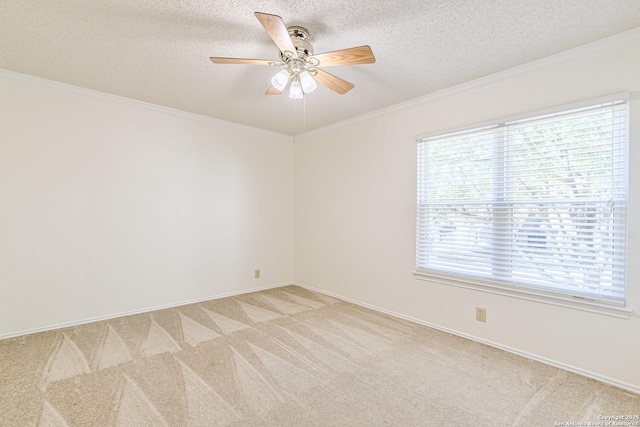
(299, 36)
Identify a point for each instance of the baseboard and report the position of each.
(131, 312)
(620, 384)
(625, 386)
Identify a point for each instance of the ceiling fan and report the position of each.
(300, 66)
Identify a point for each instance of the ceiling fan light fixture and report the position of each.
(295, 91)
(280, 80)
(307, 82)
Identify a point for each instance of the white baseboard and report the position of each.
(131, 312)
(620, 384)
(611, 381)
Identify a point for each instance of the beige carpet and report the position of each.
(283, 357)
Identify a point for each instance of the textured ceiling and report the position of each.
(158, 51)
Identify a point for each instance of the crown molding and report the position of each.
(599, 47)
(39, 81)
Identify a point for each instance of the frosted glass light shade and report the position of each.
(280, 80)
(295, 91)
(307, 82)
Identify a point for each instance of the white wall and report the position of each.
(109, 206)
(355, 200)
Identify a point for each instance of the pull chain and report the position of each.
(304, 116)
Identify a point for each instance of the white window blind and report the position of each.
(534, 203)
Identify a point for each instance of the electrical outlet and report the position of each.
(256, 274)
(481, 314)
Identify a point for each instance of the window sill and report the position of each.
(529, 295)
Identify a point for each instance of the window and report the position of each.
(536, 204)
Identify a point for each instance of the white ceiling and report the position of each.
(158, 51)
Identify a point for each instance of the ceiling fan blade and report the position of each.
(351, 56)
(220, 60)
(277, 31)
(273, 91)
(334, 83)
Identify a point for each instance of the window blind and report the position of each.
(533, 203)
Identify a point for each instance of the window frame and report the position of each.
(616, 309)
